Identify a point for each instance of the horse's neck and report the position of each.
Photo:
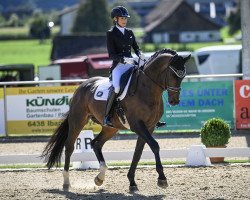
(155, 70)
(149, 85)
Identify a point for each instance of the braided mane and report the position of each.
(158, 53)
(162, 51)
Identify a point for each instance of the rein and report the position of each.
(179, 74)
(153, 81)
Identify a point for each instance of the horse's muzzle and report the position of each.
(173, 101)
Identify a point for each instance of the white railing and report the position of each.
(196, 155)
(81, 80)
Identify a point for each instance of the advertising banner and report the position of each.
(200, 101)
(242, 104)
(38, 110)
(2, 121)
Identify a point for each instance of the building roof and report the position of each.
(69, 9)
(165, 9)
(67, 46)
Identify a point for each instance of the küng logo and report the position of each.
(41, 101)
(245, 91)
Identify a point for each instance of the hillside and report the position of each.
(45, 5)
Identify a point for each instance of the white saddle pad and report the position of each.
(102, 90)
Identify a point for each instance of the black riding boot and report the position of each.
(111, 97)
(160, 124)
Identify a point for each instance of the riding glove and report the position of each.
(128, 60)
(143, 57)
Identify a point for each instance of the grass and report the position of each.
(183, 46)
(22, 166)
(115, 164)
(25, 51)
(32, 51)
(22, 31)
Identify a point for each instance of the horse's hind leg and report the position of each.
(97, 145)
(77, 121)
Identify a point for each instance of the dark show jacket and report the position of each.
(119, 45)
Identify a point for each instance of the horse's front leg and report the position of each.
(97, 145)
(141, 129)
(136, 158)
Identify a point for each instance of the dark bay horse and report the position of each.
(165, 70)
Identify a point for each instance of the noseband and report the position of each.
(180, 74)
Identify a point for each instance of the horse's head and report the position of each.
(175, 72)
(167, 69)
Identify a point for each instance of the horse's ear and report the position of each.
(187, 58)
(174, 58)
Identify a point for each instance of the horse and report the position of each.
(164, 71)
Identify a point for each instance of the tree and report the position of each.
(2, 21)
(14, 20)
(234, 20)
(92, 16)
(39, 27)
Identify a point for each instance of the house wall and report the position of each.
(185, 19)
(184, 25)
(67, 22)
(186, 36)
(199, 36)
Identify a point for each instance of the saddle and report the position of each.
(128, 86)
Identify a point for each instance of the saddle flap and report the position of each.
(103, 85)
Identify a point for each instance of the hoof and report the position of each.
(66, 187)
(98, 181)
(133, 189)
(162, 183)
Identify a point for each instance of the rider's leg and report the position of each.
(117, 73)
(116, 76)
(110, 100)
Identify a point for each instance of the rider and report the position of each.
(119, 43)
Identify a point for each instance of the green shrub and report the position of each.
(215, 132)
(39, 28)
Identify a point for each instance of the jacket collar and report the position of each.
(121, 29)
(119, 32)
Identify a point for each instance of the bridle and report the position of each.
(179, 73)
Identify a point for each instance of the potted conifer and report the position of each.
(215, 134)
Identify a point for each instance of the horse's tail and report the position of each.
(53, 150)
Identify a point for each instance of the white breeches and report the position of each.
(117, 73)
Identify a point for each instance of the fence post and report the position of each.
(5, 109)
(197, 157)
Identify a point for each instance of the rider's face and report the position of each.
(122, 21)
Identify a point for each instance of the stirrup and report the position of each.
(160, 124)
(107, 122)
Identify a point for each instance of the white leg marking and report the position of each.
(65, 177)
(103, 169)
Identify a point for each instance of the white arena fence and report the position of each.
(196, 155)
(188, 77)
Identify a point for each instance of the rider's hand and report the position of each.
(128, 60)
(143, 57)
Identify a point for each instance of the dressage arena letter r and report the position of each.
(87, 142)
(78, 143)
